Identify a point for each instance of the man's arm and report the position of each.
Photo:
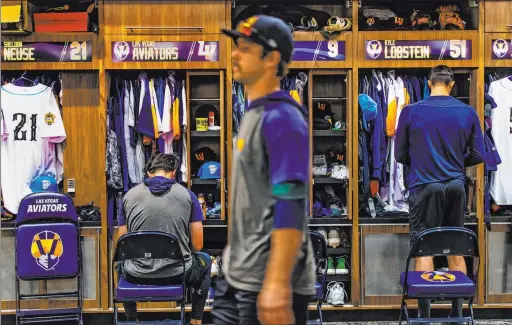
(121, 219)
(475, 145)
(402, 138)
(196, 224)
(287, 147)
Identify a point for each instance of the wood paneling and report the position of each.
(487, 45)
(498, 16)
(309, 36)
(415, 35)
(163, 17)
(61, 37)
(164, 65)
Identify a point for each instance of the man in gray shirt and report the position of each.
(161, 204)
(268, 270)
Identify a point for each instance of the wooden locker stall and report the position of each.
(328, 74)
(140, 37)
(497, 46)
(76, 71)
(384, 241)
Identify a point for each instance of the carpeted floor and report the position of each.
(478, 322)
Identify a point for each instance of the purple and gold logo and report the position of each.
(374, 49)
(47, 248)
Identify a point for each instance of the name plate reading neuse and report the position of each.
(319, 51)
(501, 49)
(418, 50)
(165, 51)
(15, 51)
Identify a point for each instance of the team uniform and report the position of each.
(31, 125)
(272, 148)
(501, 117)
(438, 138)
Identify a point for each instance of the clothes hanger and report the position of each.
(23, 78)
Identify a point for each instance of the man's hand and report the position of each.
(275, 305)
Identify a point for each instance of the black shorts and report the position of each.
(434, 205)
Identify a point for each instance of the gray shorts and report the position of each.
(440, 204)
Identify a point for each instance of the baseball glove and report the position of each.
(421, 20)
(451, 20)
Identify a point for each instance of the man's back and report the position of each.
(169, 212)
(433, 138)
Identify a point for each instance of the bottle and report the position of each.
(202, 202)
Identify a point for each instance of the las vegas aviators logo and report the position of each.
(374, 49)
(121, 50)
(437, 276)
(47, 249)
(500, 48)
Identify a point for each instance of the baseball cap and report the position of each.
(270, 32)
(44, 183)
(322, 109)
(209, 170)
(368, 108)
(202, 155)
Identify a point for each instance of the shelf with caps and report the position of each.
(329, 133)
(339, 251)
(330, 221)
(209, 133)
(328, 180)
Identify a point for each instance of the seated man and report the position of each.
(161, 204)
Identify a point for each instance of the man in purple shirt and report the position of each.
(438, 138)
(268, 270)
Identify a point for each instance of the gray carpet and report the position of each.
(478, 322)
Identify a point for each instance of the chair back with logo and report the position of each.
(47, 247)
(47, 237)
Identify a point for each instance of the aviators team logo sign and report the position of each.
(501, 49)
(47, 249)
(418, 50)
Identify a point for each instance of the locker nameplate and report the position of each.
(17, 51)
(142, 51)
(319, 51)
(418, 50)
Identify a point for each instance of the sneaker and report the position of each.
(215, 267)
(330, 266)
(341, 265)
(335, 293)
(344, 240)
(322, 232)
(334, 238)
(211, 294)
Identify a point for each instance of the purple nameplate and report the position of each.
(418, 50)
(319, 51)
(17, 51)
(46, 205)
(202, 51)
(502, 49)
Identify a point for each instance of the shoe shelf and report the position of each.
(339, 251)
(327, 180)
(339, 277)
(329, 133)
(330, 221)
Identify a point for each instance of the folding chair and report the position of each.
(47, 247)
(320, 250)
(152, 245)
(437, 285)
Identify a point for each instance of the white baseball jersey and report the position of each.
(501, 181)
(30, 120)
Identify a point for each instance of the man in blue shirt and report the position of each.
(438, 138)
(268, 270)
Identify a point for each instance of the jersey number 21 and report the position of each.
(19, 133)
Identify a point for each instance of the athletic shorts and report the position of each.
(440, 204)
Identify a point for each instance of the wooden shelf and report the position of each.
(339, 251)
(344, 278)
(214, 223)
(327, 180)
(210, 134)
(199, 181)
(329, 222)
(329, 133)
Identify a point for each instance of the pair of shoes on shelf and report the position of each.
(341, 266)
(335, 238)
(336, 293)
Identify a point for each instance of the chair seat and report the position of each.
(438, 283)
(319, 289)
(129, 291)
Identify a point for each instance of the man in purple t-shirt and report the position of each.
(268, 270)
